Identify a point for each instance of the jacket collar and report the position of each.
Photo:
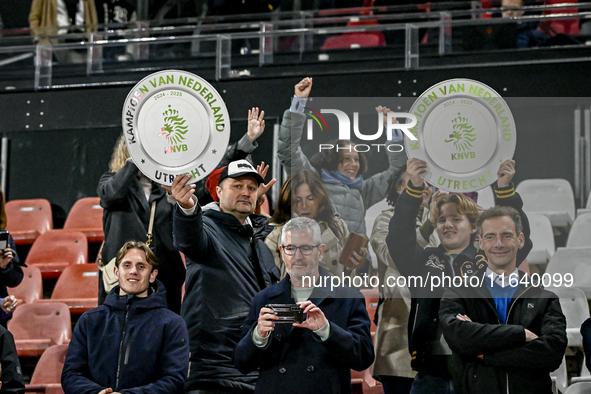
(281, 293)
(156, 298)
(260, 225)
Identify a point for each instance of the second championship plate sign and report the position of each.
(174, 123)
(465, 130)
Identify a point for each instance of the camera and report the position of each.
(288, 313)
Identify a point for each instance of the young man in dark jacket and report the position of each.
(506, 333)
(227, 265)
(455, 220)
(132, 344)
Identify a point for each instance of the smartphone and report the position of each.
(354, 244)
(3, 240)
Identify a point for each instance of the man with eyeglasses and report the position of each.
(318, 354)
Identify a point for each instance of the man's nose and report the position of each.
(499, 243)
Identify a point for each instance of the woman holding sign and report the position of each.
(127, 198)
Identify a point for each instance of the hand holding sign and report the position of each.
(182, 191)
(176, 123)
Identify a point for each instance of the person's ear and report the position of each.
(321, 250)
(218, 190)
(153, 275)
(116, 271)
(473, 228)
(521, 240)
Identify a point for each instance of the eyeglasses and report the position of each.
(305, 250)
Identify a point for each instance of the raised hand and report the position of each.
(506, 173)
(303, 88)
(414, 168)
(256, 124)
(262, 169)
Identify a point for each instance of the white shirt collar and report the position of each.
(503, 281)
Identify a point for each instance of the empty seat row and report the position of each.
(28, 219)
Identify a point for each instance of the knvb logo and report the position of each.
(174, 131)
(345, 124)
(462, 137)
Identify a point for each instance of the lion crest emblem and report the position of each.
(463, 134)
(174, 128)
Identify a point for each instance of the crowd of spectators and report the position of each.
(226, 335)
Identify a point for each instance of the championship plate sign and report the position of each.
(464, 131)
(174, 123)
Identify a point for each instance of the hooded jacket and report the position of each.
(227, 265)
(134, 345)
(420, 265)
(490, 357)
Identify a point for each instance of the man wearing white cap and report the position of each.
(227, 265)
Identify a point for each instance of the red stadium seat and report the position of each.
(31, 287)
(77, 287)
(27, 219)
(87, 216)
(38, 326)
(54, 250)
(47, 376)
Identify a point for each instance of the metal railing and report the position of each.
(213, 38)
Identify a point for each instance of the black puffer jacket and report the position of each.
(509, 364)
(223, 276)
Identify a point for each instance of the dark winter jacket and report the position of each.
(11, 276)
(507, 363)
(412, 260)
(227, 265)
(12, 376)
(295, 360)
(131, 344)
(126, 217)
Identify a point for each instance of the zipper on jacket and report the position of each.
(121, 344)
(127, 348)
(506, 320)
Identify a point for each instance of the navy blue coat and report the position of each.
(295, 360)
(133, 345)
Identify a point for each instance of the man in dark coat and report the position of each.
(315, 356)
(12, 376)
(227, 265)
(132, 344)
(506, 333)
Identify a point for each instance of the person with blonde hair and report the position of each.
(126, 196)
